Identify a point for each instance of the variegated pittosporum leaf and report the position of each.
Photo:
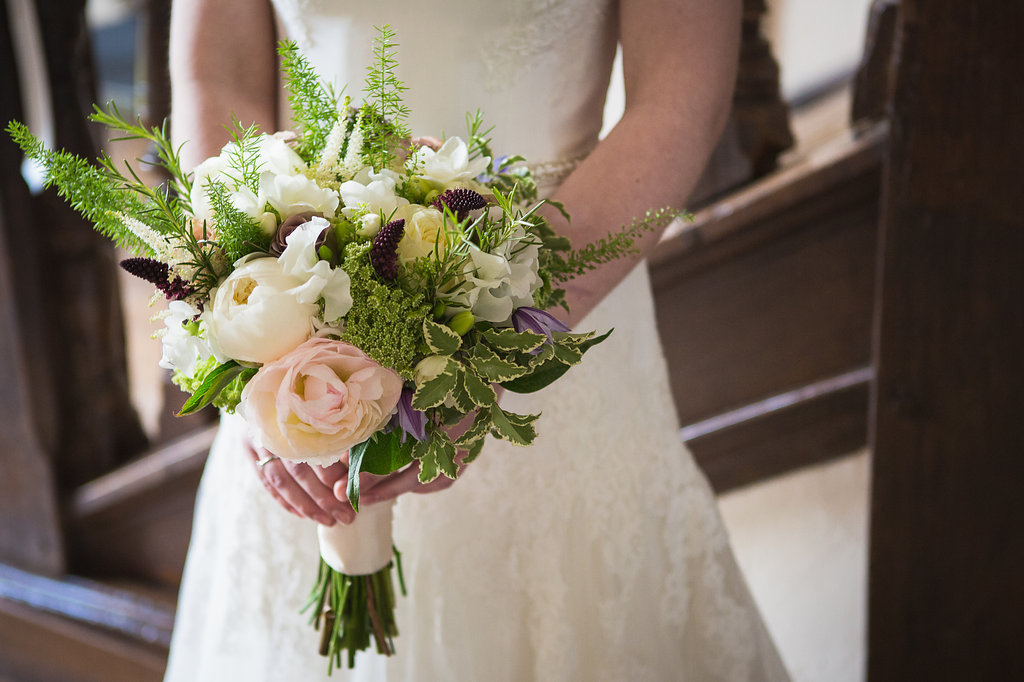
(440, 338)
(515, 428)
(510, 340)
(488, 365)
(435, 391)
(553, 361)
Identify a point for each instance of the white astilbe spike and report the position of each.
(332, 148)
(353, 161)
(149, 236)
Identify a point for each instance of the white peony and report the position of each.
(268, 306)
(256, 315)
(449, 164)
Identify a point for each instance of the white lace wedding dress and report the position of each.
(597, 554)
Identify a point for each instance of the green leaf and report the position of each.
(474, 451)
(435, 391)
(381, 454)
(480, 392)
(510, 340)
(516, 429)
(211, 387)
(463, 401)
(488, 365)
(440, 338)
(355, 462)
(548, 370)
(568, 355)
(444, 455)
(387, 453)
(571, 339)
(479, 429)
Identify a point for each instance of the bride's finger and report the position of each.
(281, 480)
(321, 495)
(330, 475)
(405, 481)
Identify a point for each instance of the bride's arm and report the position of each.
(679, 61)
(679, 64)
(223, 64)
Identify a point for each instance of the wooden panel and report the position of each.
(947, 559)
(785, 432)
(136, 522)
(771, 289)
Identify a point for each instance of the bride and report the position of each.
(597, 554)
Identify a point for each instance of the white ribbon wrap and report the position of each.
(362, 547)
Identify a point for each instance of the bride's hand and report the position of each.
(304, 490)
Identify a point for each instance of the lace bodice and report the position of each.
(538, 69)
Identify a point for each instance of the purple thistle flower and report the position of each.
(411, 421)
(527, 319)
(384, 253)
(159, 275)
(459, 201)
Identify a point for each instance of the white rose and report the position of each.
(449, 164)
(256, 314)
(292, 194)
(424, 231)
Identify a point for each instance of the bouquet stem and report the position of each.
(352, 609)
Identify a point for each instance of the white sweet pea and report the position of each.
(480, 287)
(449, 164)
(182, 344)
(275, 160)
(492, 285)
(319, 279)
(292, 194)
(371, 193)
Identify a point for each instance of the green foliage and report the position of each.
(244, 158)
(168, 157)
(88, 189)
(237, 233)
(314, 105)
(440, 339)
(607, 249)
(384, 114)
(553, 361)
(385, 321)
(212, 383)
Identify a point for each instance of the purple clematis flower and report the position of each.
(528, 319)
(409, 420)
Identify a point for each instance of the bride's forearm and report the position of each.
(222, 64)
(680, 66)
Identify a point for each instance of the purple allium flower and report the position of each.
(384, 254)
(159, 275)
(526, 319)
(459, 201)
(410, 421)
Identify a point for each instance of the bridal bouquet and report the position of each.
(348, 289)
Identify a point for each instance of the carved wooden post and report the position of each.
(947, 561)
(29, 527)
(98, 428)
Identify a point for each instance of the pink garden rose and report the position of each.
(315, 402)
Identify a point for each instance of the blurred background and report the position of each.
(768, 306)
